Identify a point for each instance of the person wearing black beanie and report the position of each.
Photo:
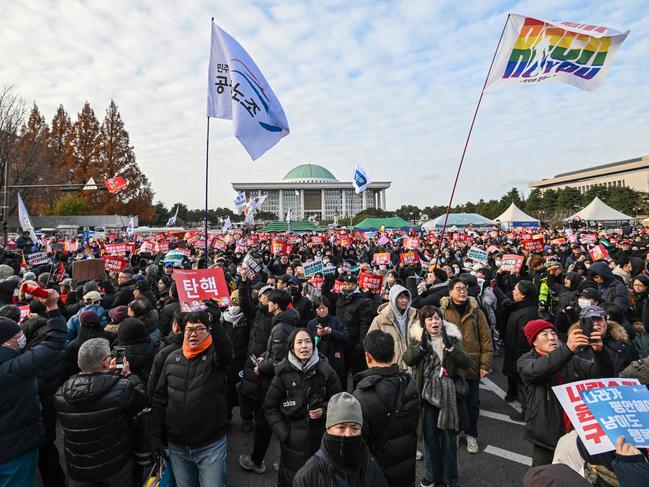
(133, 337)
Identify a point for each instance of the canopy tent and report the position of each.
(598, 211)
(459, 220)
(299, 226)
(515, 217)
(392, 223)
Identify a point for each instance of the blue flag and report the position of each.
(361, 181)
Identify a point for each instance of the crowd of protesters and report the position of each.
(347, 378)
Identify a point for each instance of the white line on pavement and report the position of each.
(500, 417)
(491, 385)
(508, 455)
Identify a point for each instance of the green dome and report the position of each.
(309, 173)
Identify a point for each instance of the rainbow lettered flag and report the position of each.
(535, 51)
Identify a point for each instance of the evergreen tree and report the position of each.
(84, 145)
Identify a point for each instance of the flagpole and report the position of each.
(207, 165)
(466, 143)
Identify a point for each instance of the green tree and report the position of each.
(568, 202)
(71, 204)
(409, 213)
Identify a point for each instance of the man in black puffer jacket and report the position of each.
(189, 403)
(21, 424)
(170, 343)
(389, 399)
(95, 408)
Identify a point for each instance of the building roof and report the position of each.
(603, 166)
(386, 223)
(459, 220)
(309, 173)
(298, 226)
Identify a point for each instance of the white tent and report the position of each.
(515, 217)
(598, 211)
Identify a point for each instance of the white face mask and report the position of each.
(499, 263)
(21, 342)
(583, 302)
(28, 296)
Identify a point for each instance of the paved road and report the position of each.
(503, 459)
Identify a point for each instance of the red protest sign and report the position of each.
(318, 239)
(534, 244)
(381, 258)
(116, 184)
(219, 245)
(318, 282)
(598, 253)
(119, 248)
(198, 284)
(411, 243)
(338, 287)
(114, 263)
(280, 248)
(345, 242)
(162, 247)
(460, 237)
(512, 262)
(372, 282)
(409, 258)
(590, 238)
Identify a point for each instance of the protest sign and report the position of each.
(534, 244)
(119, 248)
(589, 430)
(409, 258)
(622, 410)
(251, 267)
(338, 286)
(478, 254)
(280, 248)
(114, 262)
(460, 237)
(317, 282)
(411, 243)
(196, 285)
(38, 258)
(512, 262)
(345, 242)
(589, 238)
(328, 271)
(174, 256)
(162, 247)
(146, 247)
(383, 240)
(312, 267)
(219, 245)
(381, 258)
(372, 282)
(24, 313)
(318, 239)
(557, 241)
(492, 248)
(598, 252)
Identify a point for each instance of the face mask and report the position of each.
(347, 451)
(582, 302)
(467, 265)
(480, 282)
(234, 310)
(499, 263)
(28, 296)
(22, 341)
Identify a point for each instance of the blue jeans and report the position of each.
(21, 471)
(200, 467)
(473, 406)
(440, 450)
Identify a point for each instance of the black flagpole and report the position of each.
(466, 144)
(207, 166)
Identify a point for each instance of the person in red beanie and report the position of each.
(550, 363)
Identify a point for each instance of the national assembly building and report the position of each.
(313, 192)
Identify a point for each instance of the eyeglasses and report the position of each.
(198, 330)
(460, 290)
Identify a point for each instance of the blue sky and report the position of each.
(391, 85)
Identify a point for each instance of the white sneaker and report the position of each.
(419, 455)
(472, 444)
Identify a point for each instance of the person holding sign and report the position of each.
(549, 363)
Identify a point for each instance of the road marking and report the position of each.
(509, 455)
(493, 387)
(500, 417)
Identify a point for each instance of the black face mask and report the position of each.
(345, 451)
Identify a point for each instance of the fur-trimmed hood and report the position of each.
(445, 302)
(452, 331)
(613, 330)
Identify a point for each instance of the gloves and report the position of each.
(424, 344)
(446, 339)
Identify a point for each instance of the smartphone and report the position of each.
(253, 359)
(586, 326)
(120, 353)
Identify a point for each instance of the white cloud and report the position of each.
(390, 84)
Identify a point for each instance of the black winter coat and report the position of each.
(390, 428)
(545, 423)
(238, 331)
(331, 346)
(140, 359)
(167, 316)
(95, 412)
(189, 399)
(262, 323)
(21, 424)
(516, 344)
(124, 294)
(277, 346)
(170, 344)
(292, 393)
(355, 311)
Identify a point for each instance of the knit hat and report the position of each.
(92, 297)
(343, 408)
(118, 314)
(592, 312)
(88, 318)
(6, 271)
(8, 329)
(535, 327)
(131, 329)
(90, 286)
(29, 276)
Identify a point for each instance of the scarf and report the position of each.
(295, 362)
(233, 315)
(190, 353)
(439, 391)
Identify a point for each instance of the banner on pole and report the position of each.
(543, 51)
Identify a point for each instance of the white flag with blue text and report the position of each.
(25, 221)
(227, 224)
(238, 91)
(130, 230)
(172, 221)
(240, 200)
(361, 181)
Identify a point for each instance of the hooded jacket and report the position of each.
(277, 346)
(388, 322)
(516, 344)
(74, 323)
(616, 343)
(612, 290)
(95, 412)
(476, 334)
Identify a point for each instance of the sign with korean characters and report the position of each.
(598, 252)
(589, 430)
(512, 262)
(114, 262)
(372, 282)
(119, 248)
(409, 258)
(196, 285)
(534, 244)
(411, 243)
(478, 255)
(39, 258)
(251, 267)
(311, 268)
(381, 258)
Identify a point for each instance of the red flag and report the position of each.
(116, 184)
